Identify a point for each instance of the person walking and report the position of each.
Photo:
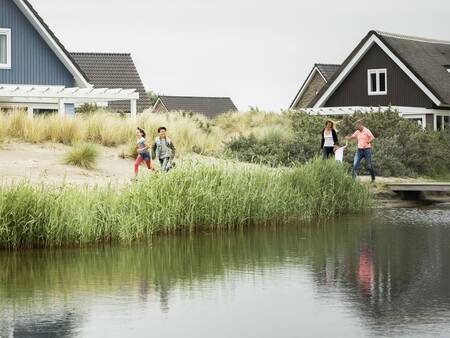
(329, 140)
(365, 138)
(164, 149)
(143, 152)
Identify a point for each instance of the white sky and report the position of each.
(257, 52)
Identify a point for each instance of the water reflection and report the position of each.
(385, 274)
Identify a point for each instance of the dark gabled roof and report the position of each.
(209, 106)
(113, 70)
(53, 36)
(327, 70)
(427, 59)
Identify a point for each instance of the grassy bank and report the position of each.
(191, 198)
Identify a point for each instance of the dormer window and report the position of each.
(377, 81)
(5, 48)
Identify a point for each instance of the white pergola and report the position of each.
(57, 97)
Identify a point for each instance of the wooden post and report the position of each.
(61, 108)
(133, 108)
(30, 112)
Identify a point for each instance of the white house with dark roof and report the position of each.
(38, 73)
(208, 106)
(410, 74)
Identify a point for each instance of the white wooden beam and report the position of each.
(133, 108)
(61, 108)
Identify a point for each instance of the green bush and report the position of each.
(87, 108)
(401, 147)
(83, 155)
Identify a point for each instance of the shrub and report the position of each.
(401, 147)
(297, 142)
(87, 108)
(83, 155)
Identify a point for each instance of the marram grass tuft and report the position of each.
(83, 155)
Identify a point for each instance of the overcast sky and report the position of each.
(258, 52)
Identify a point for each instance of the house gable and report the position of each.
(308, 92)
(401, 90)
(372, 38)
(159, 107)
(33, 60)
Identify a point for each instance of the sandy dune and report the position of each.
(41, 163)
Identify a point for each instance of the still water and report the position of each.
(382, 275)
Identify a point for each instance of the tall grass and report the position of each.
(190, 132)
(204, 197)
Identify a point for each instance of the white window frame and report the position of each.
(369, 82)
(417, 117)
(7, 33)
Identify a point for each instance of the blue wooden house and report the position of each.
(38, 73)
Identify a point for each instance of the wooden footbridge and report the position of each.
(417, 191)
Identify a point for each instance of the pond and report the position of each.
(386, 274)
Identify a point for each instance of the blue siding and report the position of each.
(33, 62)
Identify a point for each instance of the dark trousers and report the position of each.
(360, 154)
(327, 152)
(165, 164)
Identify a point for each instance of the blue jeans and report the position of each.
(165, 164)
(360, 154)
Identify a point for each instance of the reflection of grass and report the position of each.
(83, 155)
(191, 198)
(168, 262)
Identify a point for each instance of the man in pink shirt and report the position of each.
(365, 138)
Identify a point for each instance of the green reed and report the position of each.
(200, 197)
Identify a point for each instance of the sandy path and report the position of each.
(39, 163)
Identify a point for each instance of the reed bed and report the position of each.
(204, 197)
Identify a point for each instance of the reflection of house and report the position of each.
(208, 106)
(37, 72)
(409, 73)
(50, 324)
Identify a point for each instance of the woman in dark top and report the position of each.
(329, 140)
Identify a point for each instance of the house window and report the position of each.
(5, 48)
(377, 81)
(419, 119)
(442, 122)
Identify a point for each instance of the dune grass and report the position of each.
(192, 133)
(201, 198)
(84, 155)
